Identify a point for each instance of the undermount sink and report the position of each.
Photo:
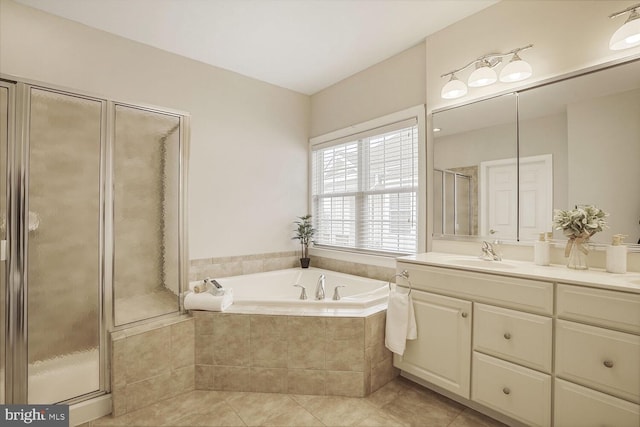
(481, 263)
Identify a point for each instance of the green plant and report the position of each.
(304, 233)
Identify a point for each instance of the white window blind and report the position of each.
(364, 190)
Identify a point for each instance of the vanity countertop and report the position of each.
(593, 277)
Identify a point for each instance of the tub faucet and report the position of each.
(303, 292)
(320, 288)
(490, 251)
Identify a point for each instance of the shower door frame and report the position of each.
(16, 388)
(16, 322)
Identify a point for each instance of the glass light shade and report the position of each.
(454, 89)
(482, 76)
(515, 71)
(628, 35)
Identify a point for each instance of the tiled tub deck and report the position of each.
(342, 356)
(339, 356)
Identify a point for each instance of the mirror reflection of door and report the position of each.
(499, 197)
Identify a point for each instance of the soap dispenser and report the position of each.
(617, 255)
(541, 251)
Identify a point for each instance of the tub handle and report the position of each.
(336, 292)
(303, 292)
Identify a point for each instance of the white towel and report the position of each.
(401, 321)
(207, 301)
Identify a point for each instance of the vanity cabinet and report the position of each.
(441, 354)
(539, 352)
(597, 363)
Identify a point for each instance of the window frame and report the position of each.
(370, 128)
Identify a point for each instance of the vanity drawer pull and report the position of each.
(608, 363)
(506, 390)
(464, 314)
(507, 336)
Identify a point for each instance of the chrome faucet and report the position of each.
(490, 252)
(336, 292)
(320, 288)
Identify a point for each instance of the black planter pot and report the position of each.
(304, 262)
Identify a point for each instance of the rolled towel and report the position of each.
(207, 301)
(401, 321)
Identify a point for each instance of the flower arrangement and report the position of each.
(579, 225)
(581, 222)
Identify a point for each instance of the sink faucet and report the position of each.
(490, 252)
(320, 288)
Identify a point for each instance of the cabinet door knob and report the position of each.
(506, 390)
(608, 363)
(507, 336)
(464, 314)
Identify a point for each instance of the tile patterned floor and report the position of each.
(399, 403)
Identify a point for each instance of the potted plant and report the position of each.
(304, 233)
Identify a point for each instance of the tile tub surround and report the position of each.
(150, 363)
(259, 263)
(339, 356)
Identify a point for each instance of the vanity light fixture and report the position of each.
(484, 74)
(628, 35)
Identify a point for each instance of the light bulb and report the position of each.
(628, 35)
(454, 89)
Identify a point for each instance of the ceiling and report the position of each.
(302, 45)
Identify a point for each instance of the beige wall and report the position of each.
(390, 86)
(248, 163)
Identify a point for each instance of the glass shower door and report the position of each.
(63, 231)
(4, 138)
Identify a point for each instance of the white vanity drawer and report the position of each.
(516, 336)
(580, 406)
(520, 393)
(602, 359)
(611, 309)
(522, 294)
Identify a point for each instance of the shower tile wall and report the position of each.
(152, 363)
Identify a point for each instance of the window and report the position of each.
(364, 190)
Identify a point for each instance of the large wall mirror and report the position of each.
(576, 141)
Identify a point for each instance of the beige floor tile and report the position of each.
(337, 411)
(389, 392)
(256, 408)
(382, 419)
(421, 407)
(292, 415)
(471, 418)
(399, 403)
(220, 414)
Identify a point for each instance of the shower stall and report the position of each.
(453, 206)
(92, 234)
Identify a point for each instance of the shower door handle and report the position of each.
(3, 250)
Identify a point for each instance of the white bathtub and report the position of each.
(274, 292)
